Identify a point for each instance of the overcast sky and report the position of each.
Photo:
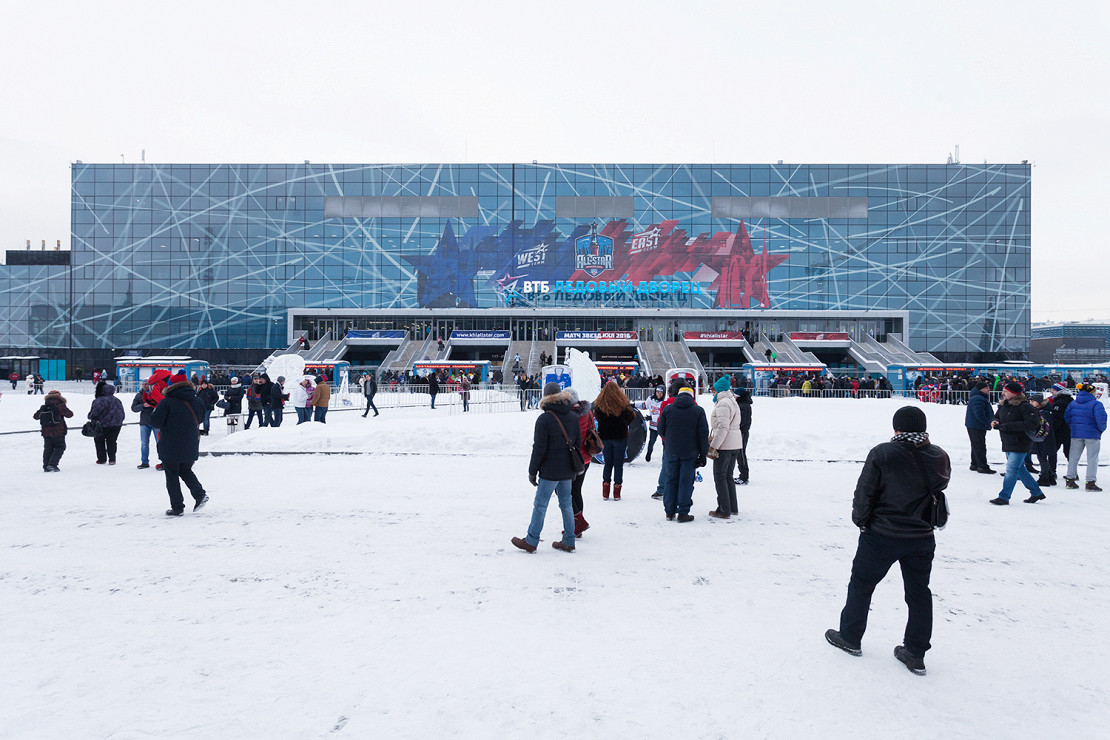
(569, 81)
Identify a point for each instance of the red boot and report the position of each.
(580, 524)
(605, 491)
(617, 492)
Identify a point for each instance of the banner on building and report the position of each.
(828, 336)
(597, 336)
(714, 336)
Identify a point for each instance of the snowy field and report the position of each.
(377, 595)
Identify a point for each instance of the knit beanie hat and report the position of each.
(909, 419)
(687, 390)
(723, 383)
(179, 378)
(552, 388)
(1057, 387)
(1014, 387)
(661, 389)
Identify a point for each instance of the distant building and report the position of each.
(1075, 342)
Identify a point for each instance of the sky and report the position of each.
(599, 81)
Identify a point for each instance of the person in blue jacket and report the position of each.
(1086, 417)
(978, 419)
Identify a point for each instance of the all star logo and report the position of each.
(593, 253)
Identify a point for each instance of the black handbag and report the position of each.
(92, 428)
(934, 507)
(576, 463)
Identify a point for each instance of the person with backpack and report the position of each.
(894, 490)
(178, 417)
(51, 417)
(108, 411)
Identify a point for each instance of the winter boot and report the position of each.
(1072, 483)
(914, 663)
(580, 524)
(1091, 486)
(617, 491)
(605, 491)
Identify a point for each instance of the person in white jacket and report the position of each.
(725, 442)
(299, 396)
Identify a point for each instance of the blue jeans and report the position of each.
(275, 416)
(678, 490)
(613, 451)
(319, 414)
(1015, 471)
(261, 413)
(661, 483)
(207, 419)
(433, 400)
(304, 413)
(539, 510)
(144, 442)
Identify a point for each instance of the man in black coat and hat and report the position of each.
(892, 495)
(178, 417)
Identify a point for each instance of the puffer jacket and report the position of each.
(890, 495)
(107, 409)
(550, 454)
(1086, 416)
(234, 398)
(584, 410)
(684, 428)
(724, 422)
(1060, 403)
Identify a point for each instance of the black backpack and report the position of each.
(48, 416)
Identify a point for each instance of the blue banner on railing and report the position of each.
(472, 334)
(376, 334)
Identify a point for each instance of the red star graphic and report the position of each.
(744, 274)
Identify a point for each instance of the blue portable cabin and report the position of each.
(454, 367)
(132, 371)
(337, 372)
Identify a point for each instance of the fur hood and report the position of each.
(560, 397)
(178, 385)
(54, 396)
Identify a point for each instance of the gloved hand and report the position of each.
(532, 479)
(712, 454)
(701, 462)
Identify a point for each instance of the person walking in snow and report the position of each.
(895, 488)
(1014, 419)
(554, 439)
(369, 390)
(178, 417)
(107, 410)
(51, 417)
(1086, 417)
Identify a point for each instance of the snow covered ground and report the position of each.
(378, 595)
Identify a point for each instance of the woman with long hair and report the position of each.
(613, 413)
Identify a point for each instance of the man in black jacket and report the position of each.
(1013, 419)
(178, 415)
(891, 505)
(555, 439)
(977, 419)
(685, 433)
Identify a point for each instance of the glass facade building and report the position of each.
(213, 256)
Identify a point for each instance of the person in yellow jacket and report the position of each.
(321, 397)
